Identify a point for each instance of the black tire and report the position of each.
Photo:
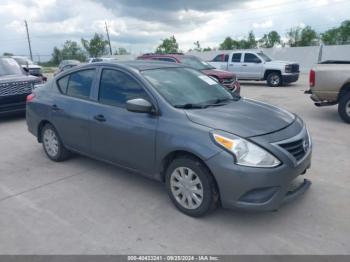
(62, 153)
(210, 199)
(344, 107)
(274, 79)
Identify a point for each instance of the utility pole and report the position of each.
(30, 47)
(109, 41)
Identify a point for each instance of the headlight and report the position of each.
(289, 68)
(245, 152)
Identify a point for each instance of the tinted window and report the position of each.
(251, 58)
(63, 84)
(166, 59)
(117, 87)
(226, 58)
(218, 58)
(236, 58)
(79, 84)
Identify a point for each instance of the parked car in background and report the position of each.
(255, 65)
(101, 59)
(175, 124)
(330, 85)
(228, 79)
(30, 67)
(65, 65)
(15, 86)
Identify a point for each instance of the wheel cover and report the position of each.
(186, 187)
(347, 108)
(275, 80)
(50, 142)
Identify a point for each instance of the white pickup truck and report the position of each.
(255, 65)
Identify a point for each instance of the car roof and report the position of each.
(139, 65)
(177, 56)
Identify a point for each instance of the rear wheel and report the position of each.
(52, 144)
(344, 107)
(274, 79)
(191, 187)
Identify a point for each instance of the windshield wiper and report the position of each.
(189, 106)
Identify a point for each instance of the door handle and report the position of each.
(244, 65)
(100, 118)
(55, 108)
(231, 65)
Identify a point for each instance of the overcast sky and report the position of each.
(139, 25)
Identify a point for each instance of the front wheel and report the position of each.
(344, 107)
(191, 187)
(274, 79)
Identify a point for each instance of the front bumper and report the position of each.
(234, 87)
(259, 189)
(290, 78)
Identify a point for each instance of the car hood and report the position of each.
(219, 73)
(245, 118)
(17, 78)
(278, 62)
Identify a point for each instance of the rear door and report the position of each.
(118, 135)
(252, 67)
(70, 109)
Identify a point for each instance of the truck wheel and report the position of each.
(344, 107)
(274, 79)
(191, 187)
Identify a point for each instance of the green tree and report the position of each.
(197, 46)
(331, 36)
(344, 32)
(270, 40)
(169, 45)
(7, 54)
(302, 36)
(70, 50)
(207, 49)
(227, 44)
(96, 46)
(122, 51)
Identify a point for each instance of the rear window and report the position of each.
(77, 84)
(236, 58)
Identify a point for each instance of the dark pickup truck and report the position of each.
(15, 86)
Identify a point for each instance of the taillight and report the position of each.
(30, 97)
(312, 78)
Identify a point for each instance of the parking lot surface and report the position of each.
(83, 206)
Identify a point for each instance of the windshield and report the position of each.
(187, 88)
(195, 63)
(265, 57)
(23, 61)
(9, 66)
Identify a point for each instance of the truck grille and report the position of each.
(228, 81)
(16, 88)
(297, 148)
(295, 68)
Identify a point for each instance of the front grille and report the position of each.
(295, 68)
(297, 148)
(16, 88)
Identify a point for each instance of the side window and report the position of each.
(63, 84)
(251, 58)
(117, 87)
(79, 84)
(166, 59)
(218, 58)
(226, 58)
(236, 58)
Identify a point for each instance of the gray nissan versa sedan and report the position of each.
(176, 125)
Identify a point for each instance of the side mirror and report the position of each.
(258, 61)
(139, 105)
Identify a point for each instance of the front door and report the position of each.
(117, 135)
(252, 67)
